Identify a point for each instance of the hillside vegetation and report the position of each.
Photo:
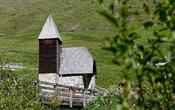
(78, 23)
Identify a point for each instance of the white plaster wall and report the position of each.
(48, 77)
(76, 81)
(92, 83)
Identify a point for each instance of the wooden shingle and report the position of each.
(76, 60)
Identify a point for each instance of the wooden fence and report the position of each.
(12, 66)
(70, 95)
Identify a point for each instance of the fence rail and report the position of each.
(11, 65)
(70, 95)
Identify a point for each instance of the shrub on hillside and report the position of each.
(19, 93)
(151, 61)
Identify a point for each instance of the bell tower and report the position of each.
(50, 44)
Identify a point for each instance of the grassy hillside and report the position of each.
(78, 23)
(72, 16)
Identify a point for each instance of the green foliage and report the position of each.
(152, 65)
(19, 93)
(78, 25)
(21, 16)
(110, 100)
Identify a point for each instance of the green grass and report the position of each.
(78, 23)
(21, 16)
(24, 49)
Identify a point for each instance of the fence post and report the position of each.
(70, 99)
(84, 98)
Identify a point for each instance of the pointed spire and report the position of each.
(49, 31)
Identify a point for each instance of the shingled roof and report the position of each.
(49, 31)
(76, 60)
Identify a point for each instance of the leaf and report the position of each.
(111, 8)
(109, 17)
(146, 8)
(148, 24)
(100, 1)
(134, 28)
(141, 47)
(172, 2)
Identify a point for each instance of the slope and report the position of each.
(78, 23)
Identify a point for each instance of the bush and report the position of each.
(151, 61)
(19, 93)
